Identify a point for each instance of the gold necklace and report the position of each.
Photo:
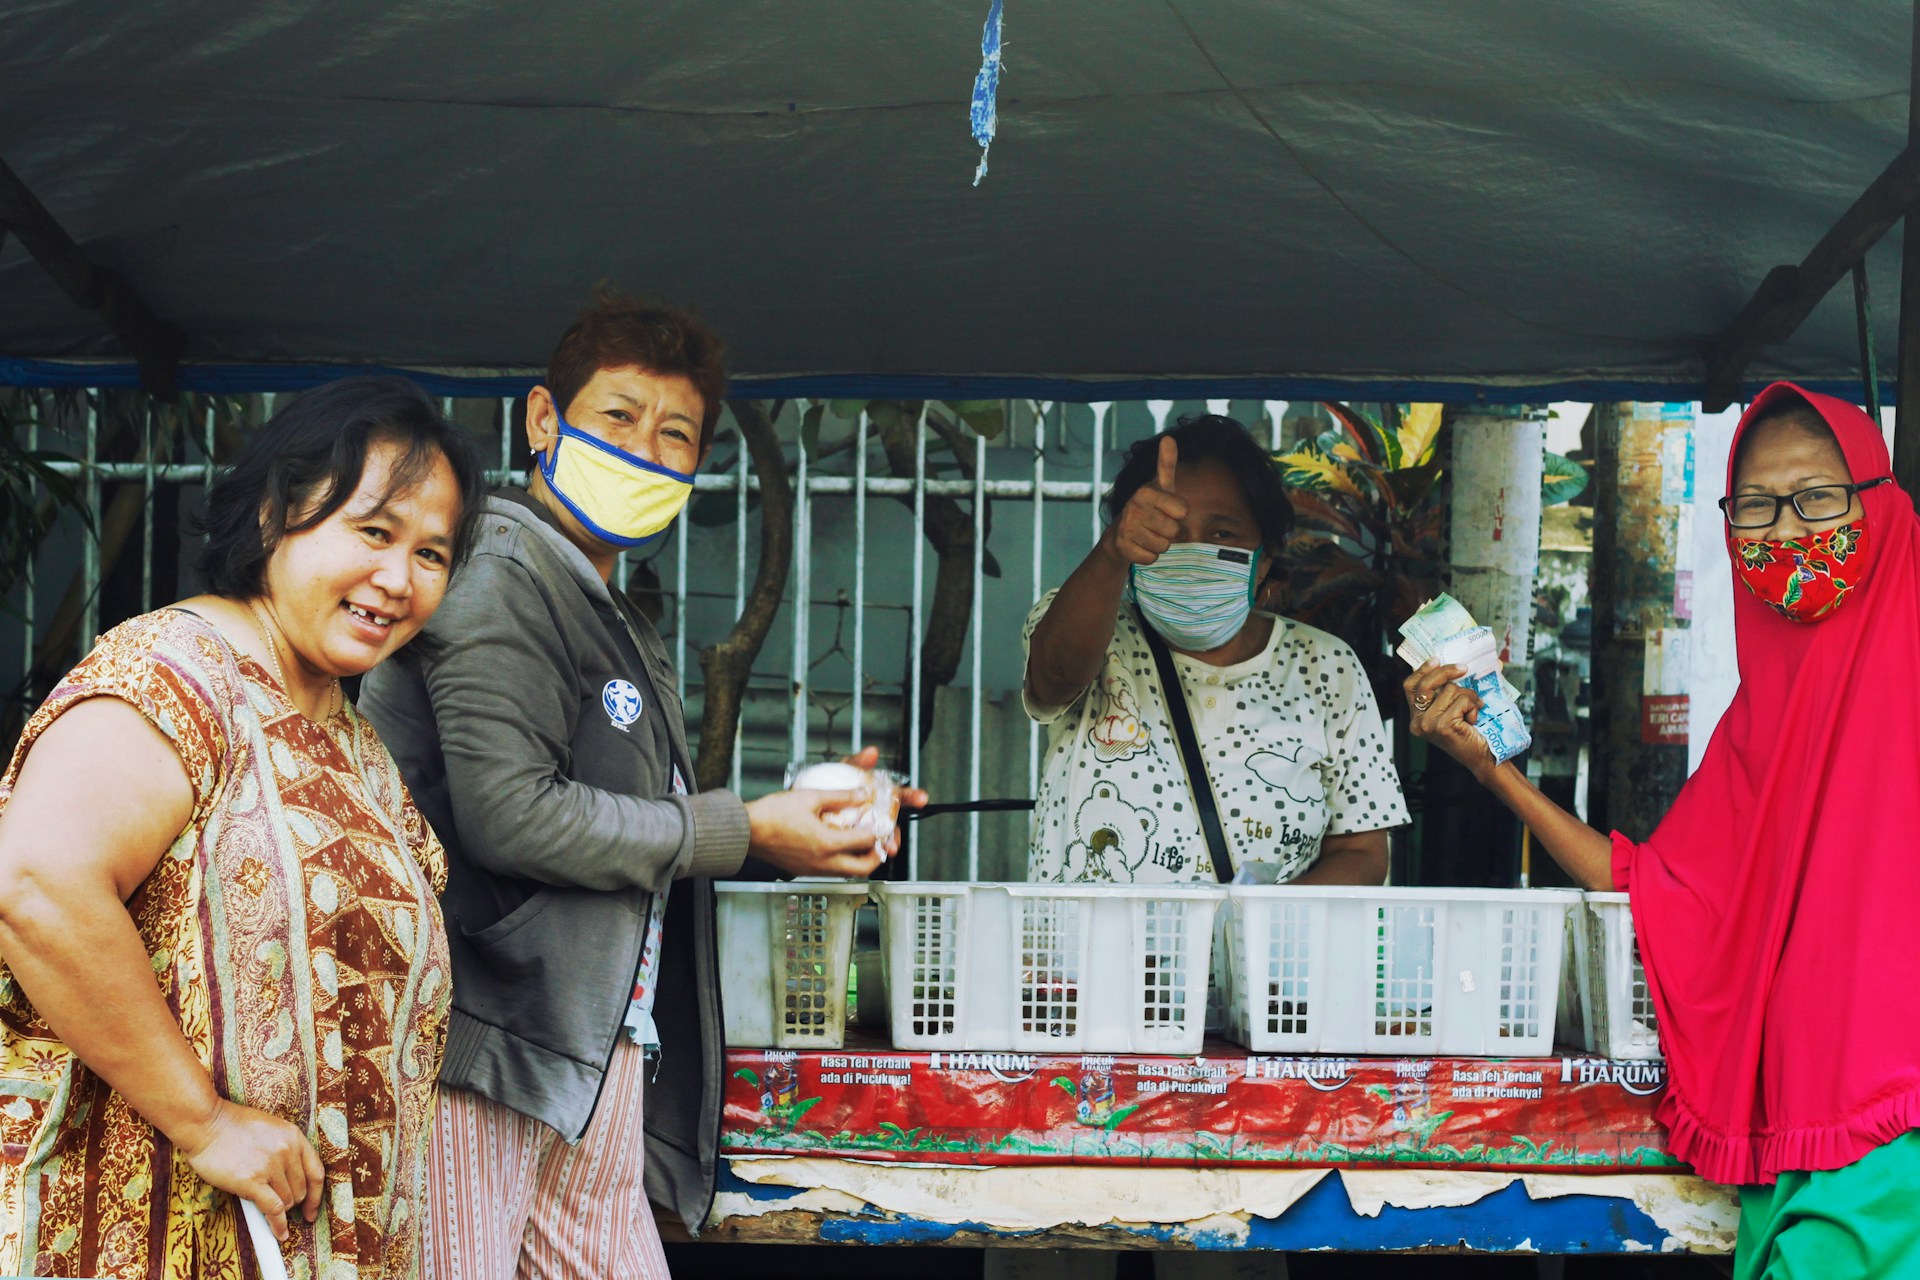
(280, 673)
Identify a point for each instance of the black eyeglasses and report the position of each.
(1822, 502)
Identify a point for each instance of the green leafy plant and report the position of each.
(903, 1138)
(1561, 479)
(32, 493)
(1423, 1127)
(797, 1109)
(1367, 548)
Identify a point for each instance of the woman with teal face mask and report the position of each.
(1284, 724)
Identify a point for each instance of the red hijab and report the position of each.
(1776, 903)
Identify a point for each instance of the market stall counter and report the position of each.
(868, 1144)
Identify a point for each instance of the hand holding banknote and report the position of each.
(1458, 697)
(1447, 713)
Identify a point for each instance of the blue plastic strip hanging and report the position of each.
(986, 89)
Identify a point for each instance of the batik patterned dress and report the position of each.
(295, 933)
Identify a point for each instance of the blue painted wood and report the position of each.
(1321, 1219)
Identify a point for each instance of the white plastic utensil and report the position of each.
(273, 1265)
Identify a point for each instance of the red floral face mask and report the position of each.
(1804, 579)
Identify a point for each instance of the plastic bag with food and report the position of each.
(878, 810)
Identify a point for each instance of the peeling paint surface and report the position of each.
(734, 1204)
(849, 1201)
(1697, 1215)
(1370, 1191)
(1033, 1197)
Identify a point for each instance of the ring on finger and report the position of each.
(1421, 703)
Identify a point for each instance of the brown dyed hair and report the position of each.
(615, 330)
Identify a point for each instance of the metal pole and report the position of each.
(885, 486)
(740, 590)
(1039, 544)
(680, 609)
(1863, 320)
(33, 555)
(1906, 440)
(914, 658)
(802, 596)
(979, 609)
(146, 511)
(1100, 408)
(860, 585)
(206, 451)
(506, 432)
(90, 545)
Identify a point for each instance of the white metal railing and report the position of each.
(809, 486)
(1035, 489)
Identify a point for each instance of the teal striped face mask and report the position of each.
(1197, 594)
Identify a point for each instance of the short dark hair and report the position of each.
(1212, 436)
(308, 459)
(615, 330)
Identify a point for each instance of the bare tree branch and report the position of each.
(727, 665)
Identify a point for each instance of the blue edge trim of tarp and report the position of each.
(238, 379)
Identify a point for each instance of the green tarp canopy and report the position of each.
(1356, 197)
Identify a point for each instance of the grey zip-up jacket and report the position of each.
(553, 801)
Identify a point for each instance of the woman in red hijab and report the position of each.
(1774, 905)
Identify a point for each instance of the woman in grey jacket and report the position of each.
(537, 725)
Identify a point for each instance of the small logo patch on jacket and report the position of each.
(622, 702)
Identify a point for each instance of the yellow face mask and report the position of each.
(622, 500)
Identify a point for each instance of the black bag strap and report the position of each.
(1195, 764)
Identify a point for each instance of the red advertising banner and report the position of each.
(1222, 1108)
(1663, 719)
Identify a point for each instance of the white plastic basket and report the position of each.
(784, 950)
(1322, 969)
(1616, 1007)
(1047, 968)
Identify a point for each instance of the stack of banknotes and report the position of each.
(1445, 632)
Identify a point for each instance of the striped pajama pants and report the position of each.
(509, 1199)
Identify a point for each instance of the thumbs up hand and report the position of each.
(1150, 522)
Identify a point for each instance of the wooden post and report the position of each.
(1639, 758)
(1906, 440)
(154, 343)
(1493, 468)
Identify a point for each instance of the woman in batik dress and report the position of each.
(223, 974)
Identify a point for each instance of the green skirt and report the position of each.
(1838, 1224)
